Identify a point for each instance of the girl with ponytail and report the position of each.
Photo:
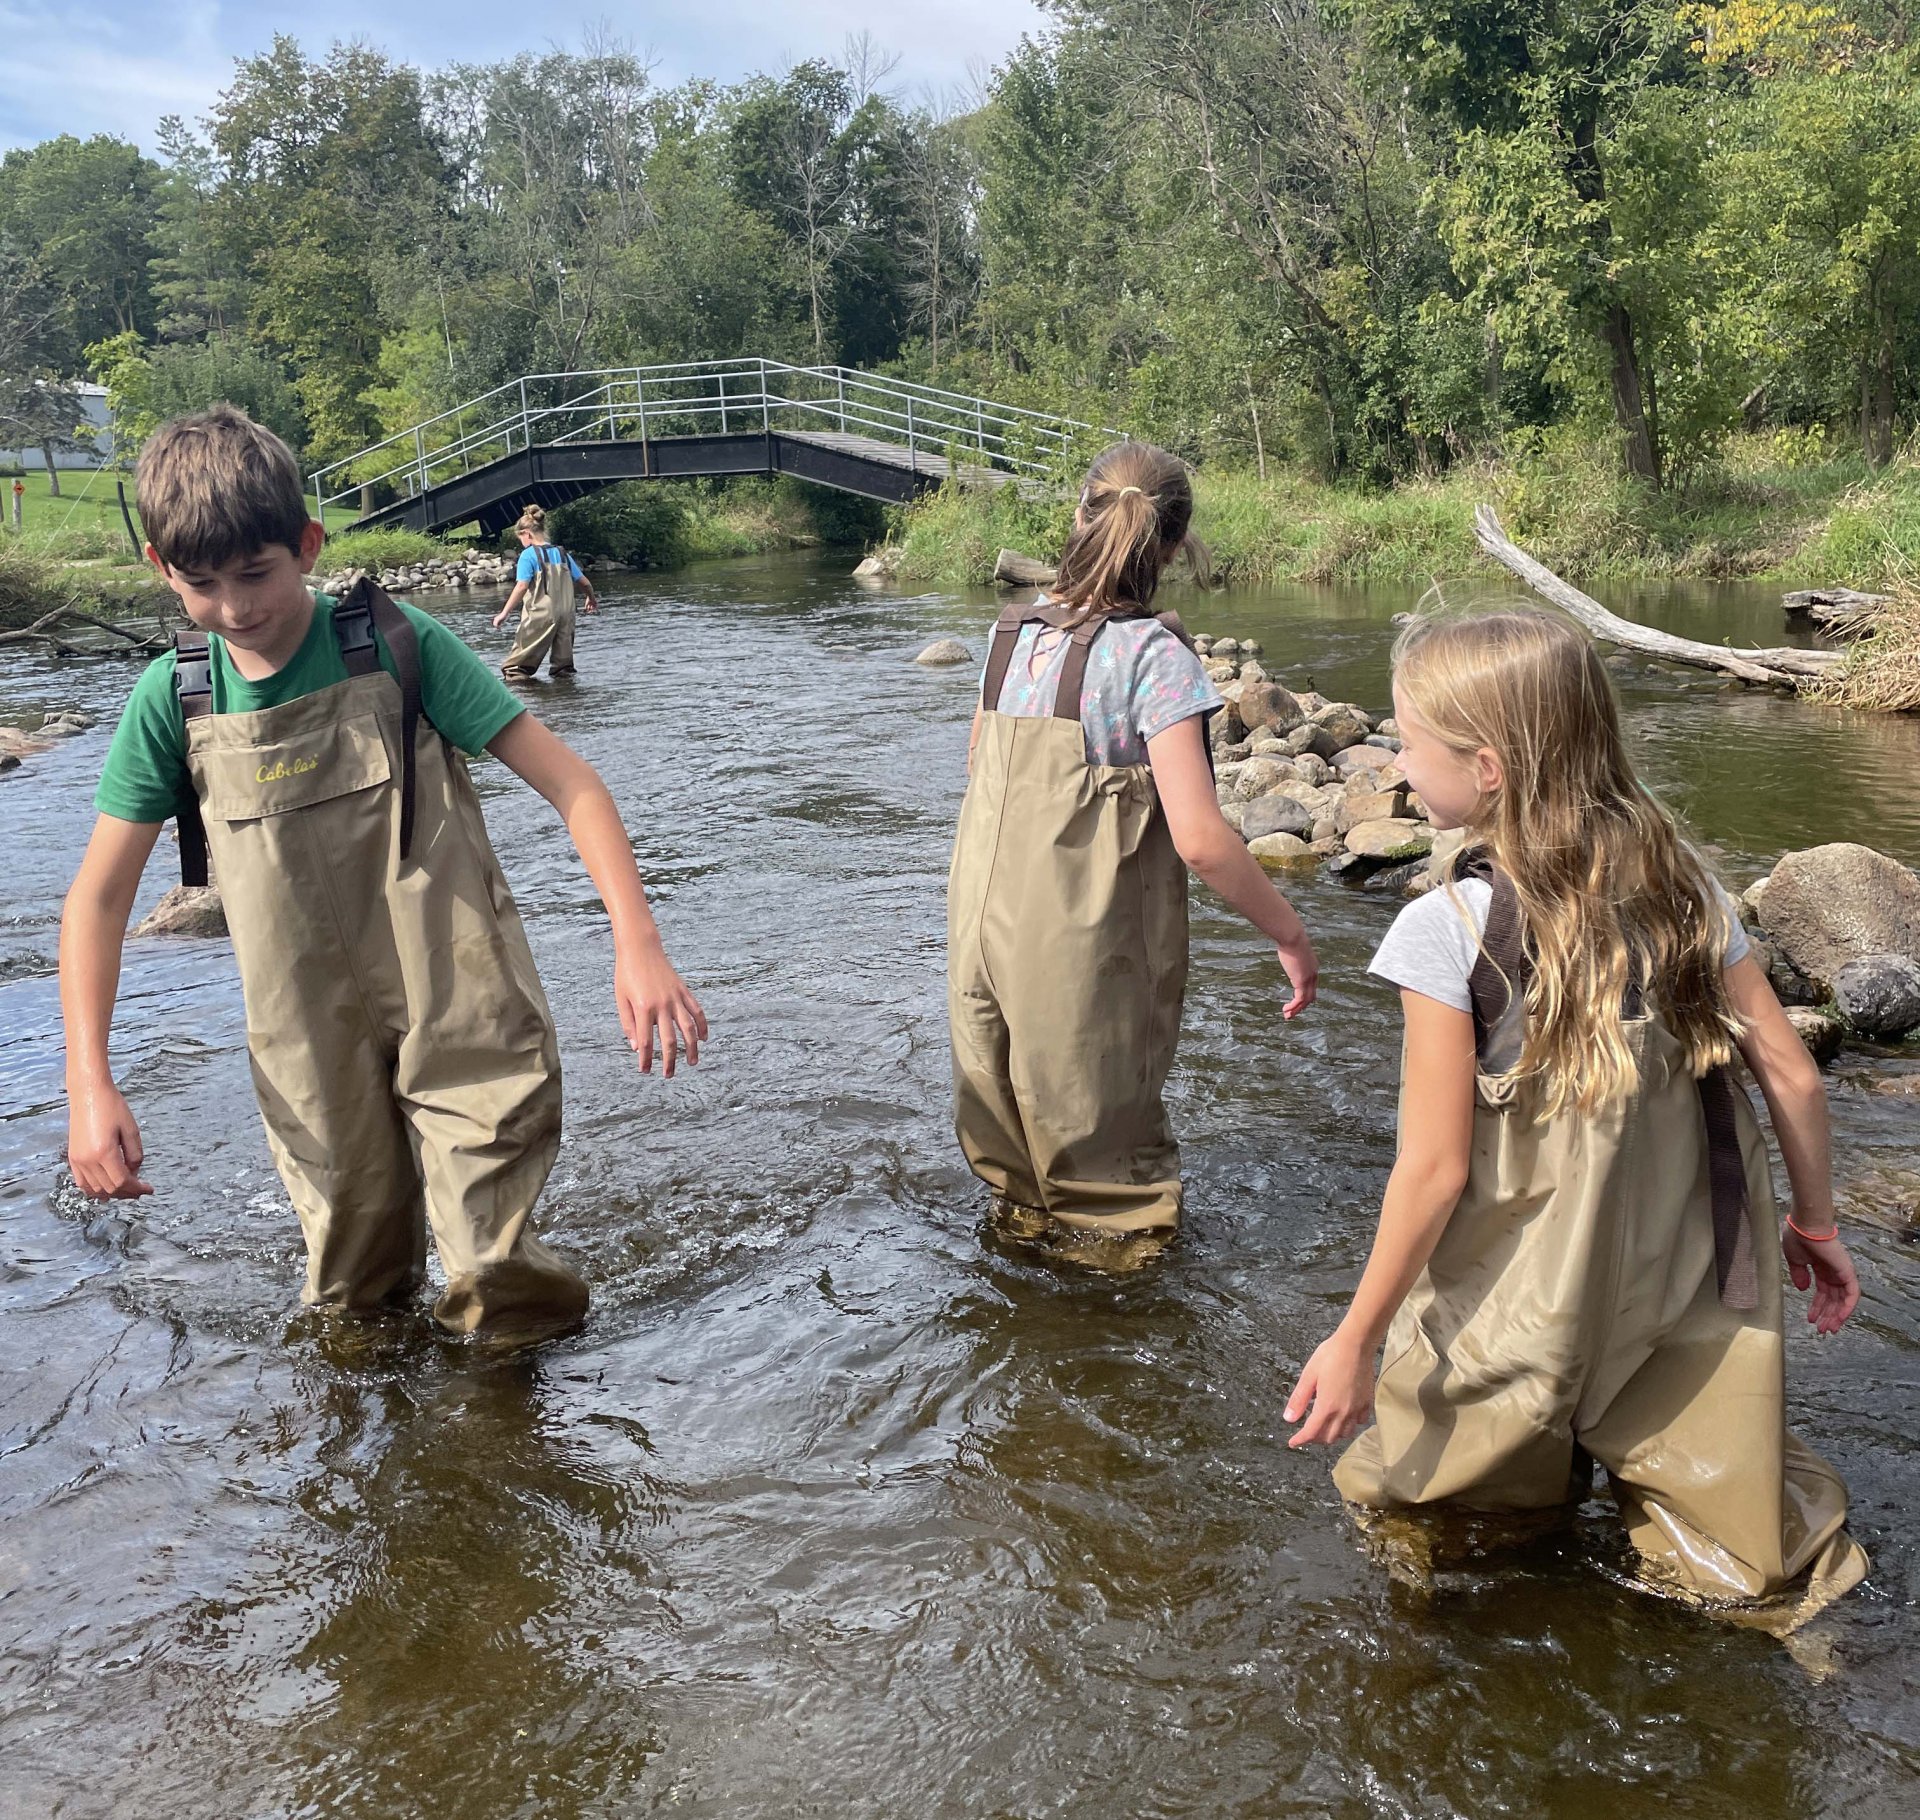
(1090, 792)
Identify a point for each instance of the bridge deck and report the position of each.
(551, 474)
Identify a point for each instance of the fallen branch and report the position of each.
(1775, 665)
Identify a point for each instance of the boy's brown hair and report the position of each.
(215, 486)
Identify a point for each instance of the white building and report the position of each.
(93, 410)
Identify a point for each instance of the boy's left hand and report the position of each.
(656, 1005)
(1337, 1385)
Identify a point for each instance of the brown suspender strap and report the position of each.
(1073, 673)
(193, 687)
(1733, 1261)
(1500, 974)
(367, 597)
(1502, 971)
(1006, 634)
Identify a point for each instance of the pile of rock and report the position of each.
(1838, 930)
(483, 569)
(17, 743)
(1305, 780)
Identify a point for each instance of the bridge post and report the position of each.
(840, 386)
(723, 403)
(420, 456)
(640, 386)
(526, 429)
(913, 460)
(766, 410)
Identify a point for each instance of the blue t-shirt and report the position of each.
(1140, 681)
(536, 553)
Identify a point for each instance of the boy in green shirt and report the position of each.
(402, 1049)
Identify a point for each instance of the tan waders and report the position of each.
(401, 1045)
(1609, 1289)
(546, 618)
(1066, 964)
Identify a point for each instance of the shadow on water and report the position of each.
(840, 1504)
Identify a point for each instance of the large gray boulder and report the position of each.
(1394, 840)
(187, 910)
(945, 651)
(1880, 994)
(1830, 905)
(1275, 815)
(1268, 705)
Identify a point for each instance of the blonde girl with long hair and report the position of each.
(545, 581)
(1090, 793)
(1577, 1260)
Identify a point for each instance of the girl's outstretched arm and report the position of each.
(1797, 1101)
(513, 600)
(1436, 1144)
(1216, 854)
(651, 997)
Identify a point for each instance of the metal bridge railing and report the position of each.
(730, 397)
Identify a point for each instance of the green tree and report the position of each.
(85, 208)
(1537, 91)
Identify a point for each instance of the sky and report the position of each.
(134, 61)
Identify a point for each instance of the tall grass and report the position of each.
(1791, 509)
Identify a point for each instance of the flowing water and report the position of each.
(840, 1506)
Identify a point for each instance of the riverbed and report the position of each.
(840, 1505)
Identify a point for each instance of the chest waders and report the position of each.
(1066, 963)
(546, 618)
(1609, 1288)
(401, 1046)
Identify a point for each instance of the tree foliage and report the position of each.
(1372, 236)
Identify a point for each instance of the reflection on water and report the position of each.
(841, 1504)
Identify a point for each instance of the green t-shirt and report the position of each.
(145, 777)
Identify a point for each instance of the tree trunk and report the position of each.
(1876, 397)
(1629, 401)
(53, 473)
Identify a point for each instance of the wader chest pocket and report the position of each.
(298, 772)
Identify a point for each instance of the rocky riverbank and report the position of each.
(438, 574)
(1309, 782)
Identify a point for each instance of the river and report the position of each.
(840, 1506)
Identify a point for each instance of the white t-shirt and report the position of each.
(1434, 943)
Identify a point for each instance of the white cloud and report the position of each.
(119, 67)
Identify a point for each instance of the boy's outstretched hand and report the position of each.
(1826, 1267)
(103, 1146)
(655, 1005)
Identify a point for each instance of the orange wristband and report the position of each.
(1814, 1238)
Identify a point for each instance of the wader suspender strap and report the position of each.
(193, 685)
(369, 604)
(1073, 673)
(1502, 971)
(365, 606)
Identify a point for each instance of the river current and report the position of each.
(840, 1505)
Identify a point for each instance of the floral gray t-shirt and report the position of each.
(1140, 681)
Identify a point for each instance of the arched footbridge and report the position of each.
(555, 437)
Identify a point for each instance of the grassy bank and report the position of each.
(1768, 508)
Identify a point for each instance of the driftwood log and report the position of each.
(1840, 612)
(1012, 570)
(1779, 666)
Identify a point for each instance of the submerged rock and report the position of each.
(187, 910)
(1844, 902)
(945, 651)
(1280, 850)
(1821, 1031)
(1390, 841)
(1880, 995)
